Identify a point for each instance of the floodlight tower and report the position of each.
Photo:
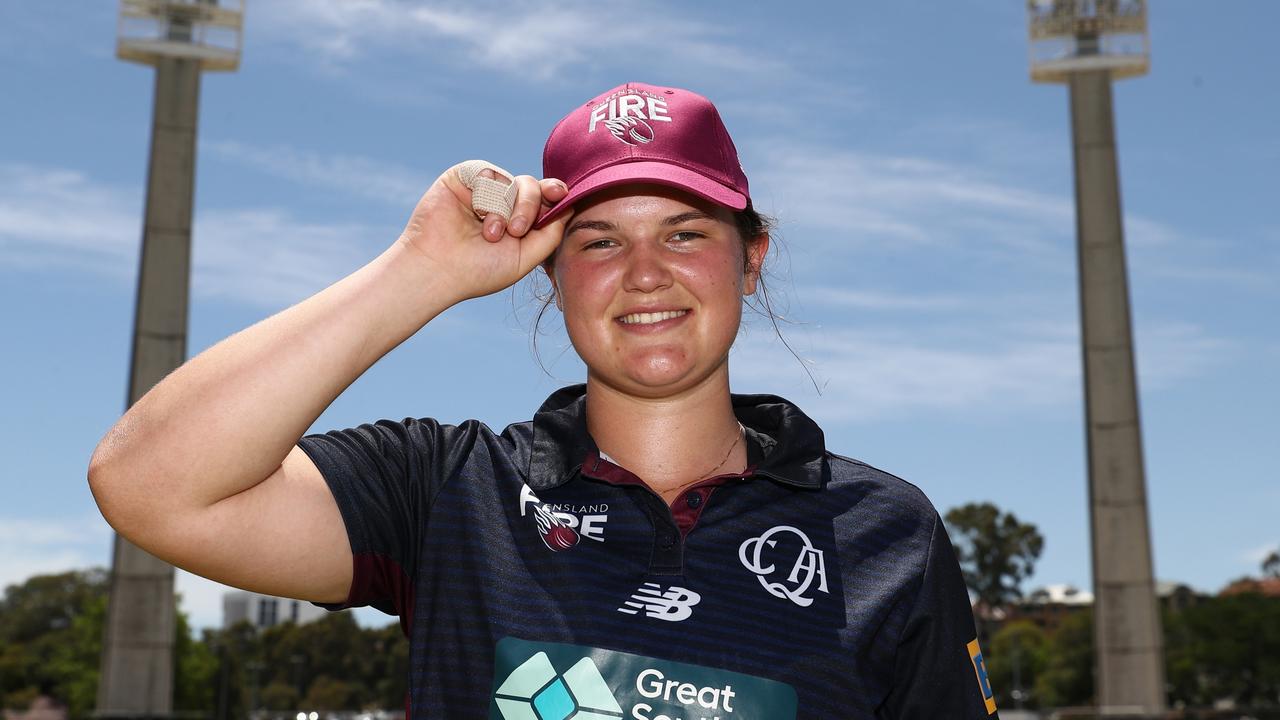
(180, 38)
(1086, 43)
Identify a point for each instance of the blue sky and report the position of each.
(922, 182)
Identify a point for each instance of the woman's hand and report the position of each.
(475, 256)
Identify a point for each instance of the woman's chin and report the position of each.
(657, 379)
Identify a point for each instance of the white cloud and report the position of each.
(860, 199)
(53, 217)
(884, 300)
(268, 258)
(349, 174)
(538, 41)
(1255, 555)
(60, 217)
(885, 372)
(870, 198)
(45, 546)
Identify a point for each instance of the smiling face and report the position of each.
(651, 281)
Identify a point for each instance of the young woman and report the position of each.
(648, 546)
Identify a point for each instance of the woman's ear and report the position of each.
(756, 250)
(549, 267)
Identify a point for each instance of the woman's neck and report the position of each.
(669, 443)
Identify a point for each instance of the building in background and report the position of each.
(1046, 607)
(264, 611)
(1264, 586)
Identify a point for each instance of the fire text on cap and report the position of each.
(628, 114)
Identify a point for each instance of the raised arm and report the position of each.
(204, 470)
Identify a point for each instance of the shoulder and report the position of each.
(410, 447)
(873, 498)
(847, 471)
(393, 435)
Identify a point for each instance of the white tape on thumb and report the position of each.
(488, 195)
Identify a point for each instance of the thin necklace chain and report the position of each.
(736, 441)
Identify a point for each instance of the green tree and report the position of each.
(234, 649)
(1017, 658)
(1226, 648)
(1067, 676)
(327, 693)
(47, 602)
(280, 696)
(51, 629)
(76, 656)
(389, 666)
(195, 669)
(1271, 564)
(51, 639)
(996, 551)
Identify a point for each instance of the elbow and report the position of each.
(101, 483)
(117, 483)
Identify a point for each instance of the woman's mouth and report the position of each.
(649, 318)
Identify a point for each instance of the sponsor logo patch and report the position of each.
(561, 525)
(555, 681)
(673, 604)
(760, 555)
(980, 669)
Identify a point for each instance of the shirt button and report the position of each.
(667, 541)
(694, 500)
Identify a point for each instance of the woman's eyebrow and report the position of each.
(687, 217)
(600, 225)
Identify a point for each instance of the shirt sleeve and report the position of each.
(939, 671)
(384, 477)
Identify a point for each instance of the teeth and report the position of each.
(650, 318)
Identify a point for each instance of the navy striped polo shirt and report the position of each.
(537, 580)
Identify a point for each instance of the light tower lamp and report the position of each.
(1069, 36)
(203, 30)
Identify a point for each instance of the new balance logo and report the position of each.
(673, 604)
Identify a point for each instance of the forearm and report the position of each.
(225, 420)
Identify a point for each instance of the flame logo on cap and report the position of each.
(630, 130)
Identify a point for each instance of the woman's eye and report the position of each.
(602, 243)
(686, 236)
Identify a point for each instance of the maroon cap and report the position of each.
(644, 133)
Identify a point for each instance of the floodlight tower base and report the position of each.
(1129, 647)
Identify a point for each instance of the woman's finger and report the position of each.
(528, 203)
(553, 190)
(493, 194)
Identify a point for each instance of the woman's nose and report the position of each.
(646, 269)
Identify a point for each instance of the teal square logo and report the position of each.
(554, 702)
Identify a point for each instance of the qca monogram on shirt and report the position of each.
(759, 555)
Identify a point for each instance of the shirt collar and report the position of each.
(783, 443)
